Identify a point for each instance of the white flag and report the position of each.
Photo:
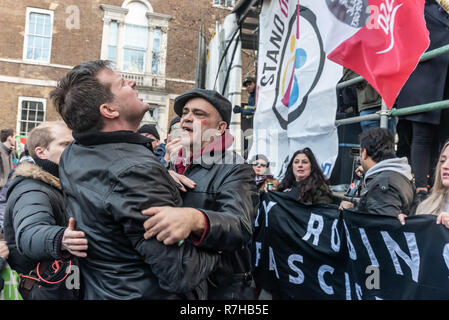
(297, 98)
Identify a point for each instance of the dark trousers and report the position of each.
(423, 150)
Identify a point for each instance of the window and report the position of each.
(113, 41)
(31, 114)
(135, 39)
(38, 35)
(135, 48)
(224, 3)
(156, 51)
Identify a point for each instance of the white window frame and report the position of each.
(30, 10)
(159, 52)
(19, 110)
(145, 52)
(155, 20)
(116, 45)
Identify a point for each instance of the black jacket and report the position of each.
(35, 218)
(108, 178)
(430, 74)
(389, 190)
(226, 192)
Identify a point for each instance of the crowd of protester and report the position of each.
(175, 217)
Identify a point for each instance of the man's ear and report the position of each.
(109, 111)
(222, 126)
(41, 152)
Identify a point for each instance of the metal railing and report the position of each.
(146, 80)
(384, 113)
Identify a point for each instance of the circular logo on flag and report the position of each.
(354, 13)
(300, 67)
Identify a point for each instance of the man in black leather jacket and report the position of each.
(225, 194)
(109, 174)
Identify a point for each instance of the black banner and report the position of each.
(317, 252)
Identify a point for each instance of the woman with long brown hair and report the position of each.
(304, 179)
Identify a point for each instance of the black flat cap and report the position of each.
(151, 129)
(248, 79)
(223, 105)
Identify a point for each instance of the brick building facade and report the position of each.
(151, 41)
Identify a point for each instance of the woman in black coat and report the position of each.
(427, 84)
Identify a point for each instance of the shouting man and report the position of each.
(224, 196)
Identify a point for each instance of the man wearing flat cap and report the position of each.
(225, 194)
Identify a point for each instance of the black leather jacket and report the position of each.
(107, 179)
(226, 192)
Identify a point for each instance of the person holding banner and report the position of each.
(264, 179)
(388, 188)
(304, 180)
(438, 201)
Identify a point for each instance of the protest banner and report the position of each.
(296, 96)
(317, 252)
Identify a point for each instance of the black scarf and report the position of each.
(47, 165)
(95, 138)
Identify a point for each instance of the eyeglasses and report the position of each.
(263, 164)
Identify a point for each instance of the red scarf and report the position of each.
(217, 145)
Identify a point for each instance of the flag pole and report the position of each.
(384, 116)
